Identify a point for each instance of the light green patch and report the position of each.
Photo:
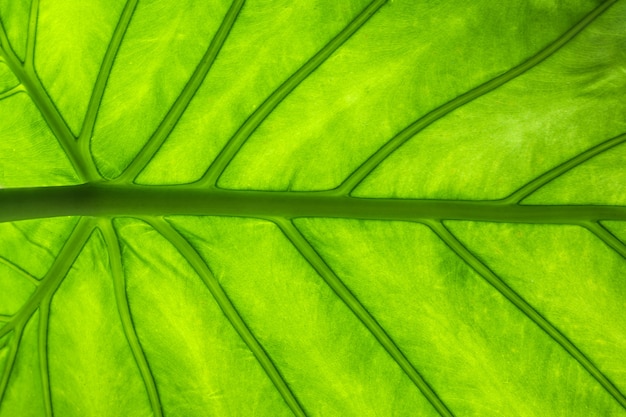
(92, 370)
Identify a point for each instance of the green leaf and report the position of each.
(355, 208)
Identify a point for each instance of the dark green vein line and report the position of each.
(10, 363)
(176, 111)
(55, 275)
(14, 90)
(29, 59)
(136, 200)
(420, 124)
(23, 273)
(606, 236)
(101, 80)
(202, 269)
(483, 270)
(44, 370)
(235, 143)
(117, 272)
(32, 84)
(558, 171)
(332, 280)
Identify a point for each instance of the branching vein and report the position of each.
(560, 170)
(54, 277)
(331, 279)
(420, 124)
(117, 271)
(209, 179)
(606, 236)
(469, 258)
(32, 84)
(176, 111)
(220, 296)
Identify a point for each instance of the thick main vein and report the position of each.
(315, 260)
(420, 124)
(462, 252)
(263, 111)
(136, 200)
(231, 313)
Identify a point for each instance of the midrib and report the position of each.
(134, 200)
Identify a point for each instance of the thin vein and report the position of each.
(12, 91)
(51, 115)
(95, 100)
(29, 59)
(181, 244)
(483, 270)
(180, 105)
(332, 280)
(44, 370)
(22, 272)
(606, 236)
(117, 271)
(55, 275)
(562, 169)
(350, 183)
(211, 176)
(10, 364)
(4, 318)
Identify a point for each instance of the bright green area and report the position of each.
(236, 87)
(601, 180)
(25, 383)
(29, 153)
(68, 55)
(160, 50)
(617, 228)
(33, 245)
(15, 16)
(494, 145)
(328, 358)
(7, 79)
(157, 303)
(481, 354)
(574, 280)
(389, 74)
(103, 379)
(200, 364)
(16, 286)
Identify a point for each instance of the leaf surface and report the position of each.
(312, 208)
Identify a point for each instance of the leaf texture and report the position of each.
(312, 208)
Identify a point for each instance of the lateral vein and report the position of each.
(332, 280)
(215, 170)
(350, 183)
(95, 100)
(121, 298)
(176, 111)
(495, 281)
(562, 169)
(202, 269)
